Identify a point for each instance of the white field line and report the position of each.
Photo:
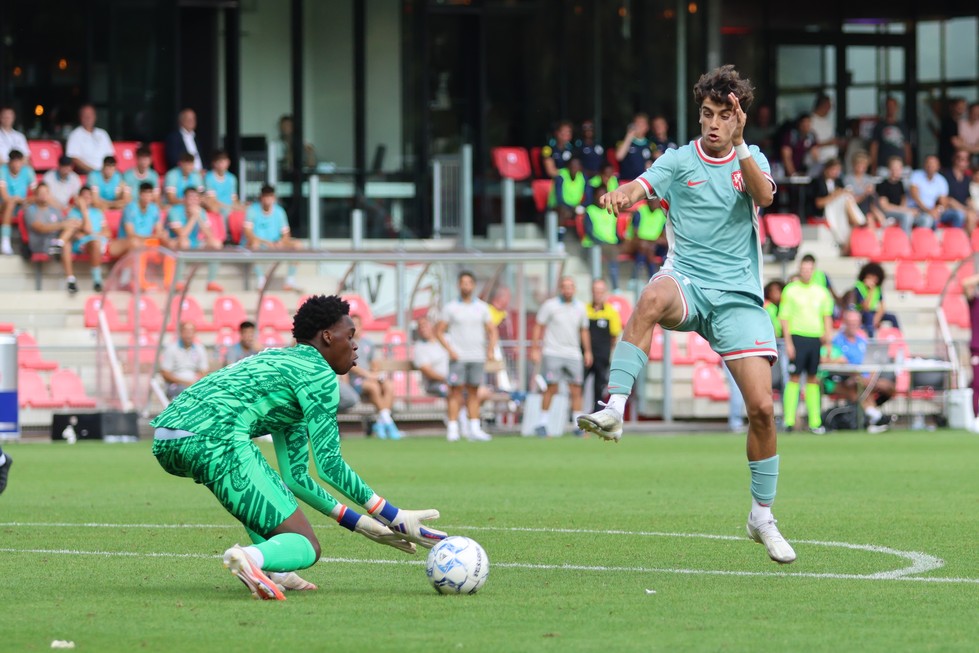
(920, 562)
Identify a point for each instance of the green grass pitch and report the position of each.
(99, 546)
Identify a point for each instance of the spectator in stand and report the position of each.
(836, 203)
(10, 138)
(371, 387)
(110, 191)
(570, 193)
(143, 172)
(432, 360)
(949, 130)
(970, 287)
(929, 194)
(183, 140)
(890, 138)
(17, 179)
(179, 179)
(799, 149)
(221, 186)
(245, 347)
(974, 191)
(894, 200)
(141, 220)
(773, 297)
(606, 178)
(63, 183)
(824, 127)
(604, 329)
(868, 298)
(285, 146)
(761, 132)
(92, 236)
(591, 153)
(958, 178)
(559, 151)
(968, 134)
(88, 145)
(861, 185)
(634, 152)
(267, 227)
(661, 137)
(561, 340)
(601, 230)
(183, 362)
(50, 231)
(190, 228)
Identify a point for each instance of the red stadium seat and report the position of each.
(360, 307)
(924, 244)
(955, 244)
(218, 228)
(270, 337)
(699, 349)
(536, 164)
(907, 277)
(541, 188)
(893, 336)
(191, 312)
(895, 245)
(396, 344)
(29, 356)
(936, 274)
(44, 154)
(622, 305)
(512, 162)
(956, 311)
(158, 152)
(142, 348)
(113, 218)
(864, 243)
(226, 338)
(784, 229)
(974, 239)
(656, 344)
(227, 311)
(92, 305)
(125, 154)
(709, 383)
(273, 314)
(6, 327)
(32, 392)
(150, 315)
(67, 390)
(236, 226)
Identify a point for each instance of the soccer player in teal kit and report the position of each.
(711, 280)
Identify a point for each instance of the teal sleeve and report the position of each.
(292, 453)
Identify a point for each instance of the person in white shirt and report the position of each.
(10, 138)
(88, 145)
(825, 129)
(184, 362)
(63, 182)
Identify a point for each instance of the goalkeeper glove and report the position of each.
(406, 523)
(370, 528)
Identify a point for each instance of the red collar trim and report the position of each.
(709, 159)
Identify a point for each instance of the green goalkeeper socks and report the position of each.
(790, 403)
(814, 405)
(286, 552)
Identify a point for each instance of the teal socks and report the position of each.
(764, 479)
(628, 361)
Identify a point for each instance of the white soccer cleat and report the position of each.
(290, 580)
(606, 423)
(261, 586)
(767, 533)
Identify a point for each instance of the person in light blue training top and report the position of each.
(17, 180)
(143, 172)
(266, 227)
(221, 186)
(710, 282)
(141, 220)
(110, 191)
(179, 179)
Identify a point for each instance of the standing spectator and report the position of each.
(286, 127)
(110, 192)
(180, 178)
(968, 134)
(63, 182)
(799, 148)
(190, 228)
(894, 200)
(10, 138)
(142, 172)
(949, 130)
(183, 140)
(591, 153)
(245, 347)
(88, 145)
(559, 151)
(761, 132)
(824, 127)
(970, 287)
(958, 179)
(562, 325)
(861, 186)
(890, 138)
(183, 362)
(371, 387)
(92, 236)
(17, 179)
(432, 360)
(570, 192)
(141, 220)
(806, 313)
(832, 200)
(604, 329)
(929, 194)
(868, 298)
(51, 232)
(221, 186)
(467, 334)
(634, 152)
(267, 227)
(661, 137)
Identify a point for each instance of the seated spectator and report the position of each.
(93, 236)
(286, 127)
(63, 183)
(601, 230)
(267, 227)
(890, 138)
(894, 201)
(591, 153)
(799, 149)
(371, 387)
(868, 298)
(183, 140)
(179, 179)
(183, 362)
(221, 186)
(10, 138)
(50, 231)
(661, 137)
(87, 144)
(864, 190)
(570, 193)
(959, 180)
(559, 151)
(635, 152)
(850, 346)
(646, 241)
(110, 192)
(837, 204)
(141, 220)
(17, 180)
(143, 172)
(245, 347)
(929, 194)
(968, 134)
(606, 177)
(974, 190)
(190, 228)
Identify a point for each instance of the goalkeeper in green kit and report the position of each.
(292, 393)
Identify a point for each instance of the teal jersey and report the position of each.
(223, 190)
(176, 181)
(291, 393)
(143, 221)
(95, 217)
(133, 179)
(20, 184)
(267, 226)
(107, 189)
(712, 222)
(177, 218)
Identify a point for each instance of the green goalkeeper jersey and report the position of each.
(290, 393)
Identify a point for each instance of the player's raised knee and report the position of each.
(653, 303)
(761, 411)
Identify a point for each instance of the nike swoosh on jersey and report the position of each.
(696, 183)
(763, 343)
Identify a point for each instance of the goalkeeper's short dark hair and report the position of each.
(318, 313)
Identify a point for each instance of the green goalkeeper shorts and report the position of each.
(235, 471)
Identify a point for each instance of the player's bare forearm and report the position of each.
(758, 186)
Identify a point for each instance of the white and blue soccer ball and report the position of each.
(457, 565)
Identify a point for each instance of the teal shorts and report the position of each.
(235, 471)
(78, 246)
(734, 323)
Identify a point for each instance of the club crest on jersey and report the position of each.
(737, 180)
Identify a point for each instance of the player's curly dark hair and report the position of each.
(874, 269)
(318, 313)
(716, 85)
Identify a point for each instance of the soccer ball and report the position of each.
(457, 565)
